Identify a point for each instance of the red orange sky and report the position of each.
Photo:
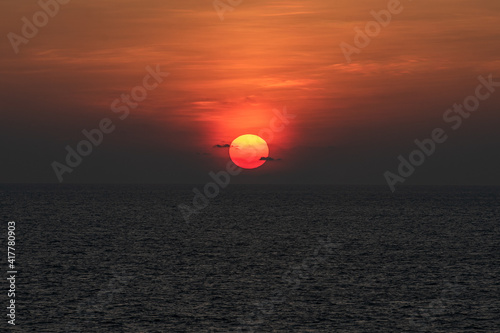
(227, 76)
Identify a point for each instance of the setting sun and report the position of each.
(247, 151)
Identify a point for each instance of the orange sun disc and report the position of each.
(247, 151)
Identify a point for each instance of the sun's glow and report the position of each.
(247, 151)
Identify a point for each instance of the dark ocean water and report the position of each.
(256, 259)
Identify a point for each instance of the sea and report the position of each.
(252, 258)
